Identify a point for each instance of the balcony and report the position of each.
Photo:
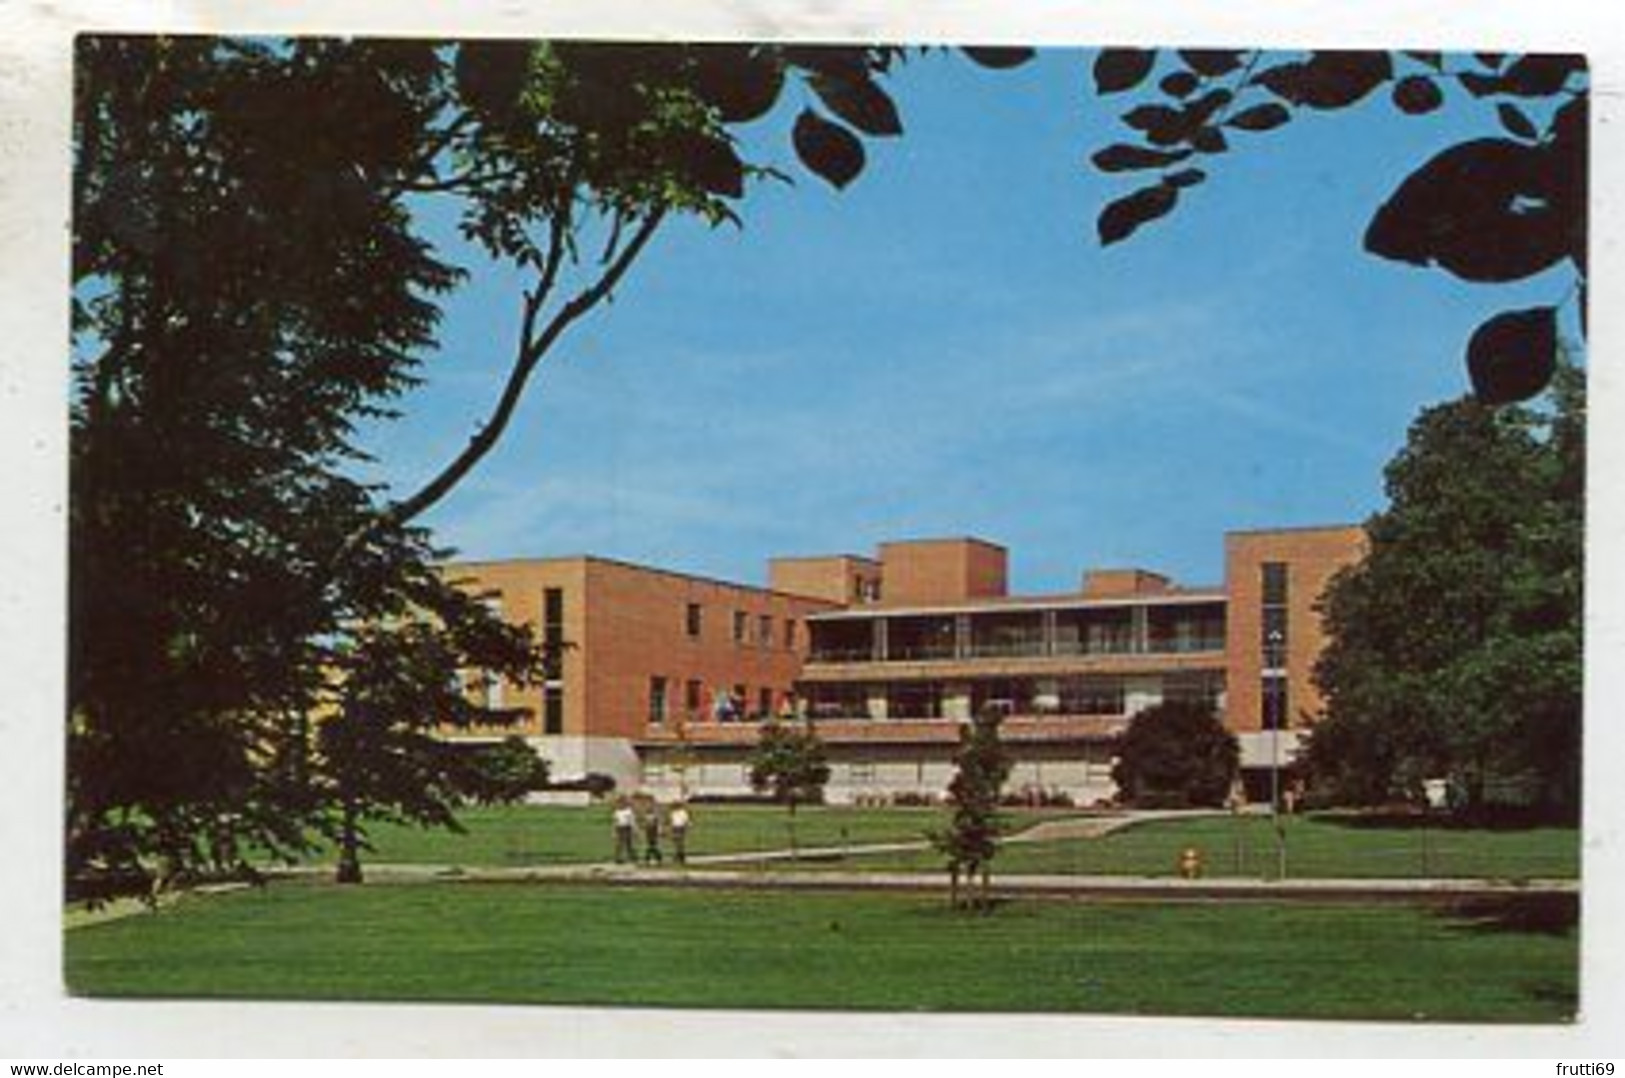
(1019, 649)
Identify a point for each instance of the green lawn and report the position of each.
(1316, 846)
(517, 835)
(551, 944)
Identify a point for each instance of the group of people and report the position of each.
(647, 817)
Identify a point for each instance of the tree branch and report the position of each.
(533, 347)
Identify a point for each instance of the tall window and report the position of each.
(764, 630)
(764, 703)
(692, 694)
(553, 709)
(790, 633)
(694, 619)
(741, 626)
(657, 699)
(553, 632)
(1274, 621)
(1276, 703)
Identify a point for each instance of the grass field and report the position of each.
(518, 835)
(1317, 846)
(547, 944)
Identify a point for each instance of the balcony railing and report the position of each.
(1019, 649)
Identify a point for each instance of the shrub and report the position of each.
(1176, 755)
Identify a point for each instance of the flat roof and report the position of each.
(1296, 528)
(640, 568)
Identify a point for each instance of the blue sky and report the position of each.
(944, 349)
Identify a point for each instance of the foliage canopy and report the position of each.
(1455, 647)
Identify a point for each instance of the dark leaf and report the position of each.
(1211, 61)
(739, 81)
(827, 148)
(1481, 85)
(1201, 110)
(491, 75)
(1124, 157)
(1542, 74)
(832, 61)
(1435, 60)
(1161, 124)
(998, 57)
(1328, 80)
(1185, 177)
(1180, 84)
(1483, 210)
(1417, 94)
(1263, 117)
(1122, 69)
(711, 163)
(1119, 220)
(1210, 140)
(1491, 60)
(1512, 356)
(858, 101)
(1566, 172)
(1514, 120)
(1535, 75)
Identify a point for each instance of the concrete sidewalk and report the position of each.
(1158, 888)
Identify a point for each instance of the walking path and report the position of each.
(1161, 888)
(749, 869)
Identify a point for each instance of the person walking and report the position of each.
(651, 834)
(679, 833)
(624, 821)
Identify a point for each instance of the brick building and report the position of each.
(886, 656)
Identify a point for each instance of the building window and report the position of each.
(553, 632)
(1276, 702)
(764, 703)
(691, 696)
(553, 709)
(1274, 581)
(695, 619)
(764, 630)
(739, 699)
(657, 699)
(741, 626)
(1273, 622)
(790, 633)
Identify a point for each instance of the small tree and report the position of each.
(379, 753)
(981, 768)
(790, 761)
(1176, 755)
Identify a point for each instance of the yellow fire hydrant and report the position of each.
(1190, 862)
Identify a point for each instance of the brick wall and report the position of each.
(942, 570)
(1312, 556)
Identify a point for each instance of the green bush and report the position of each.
(1176, 755)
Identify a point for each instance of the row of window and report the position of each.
(719, 704)
(758, 631)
